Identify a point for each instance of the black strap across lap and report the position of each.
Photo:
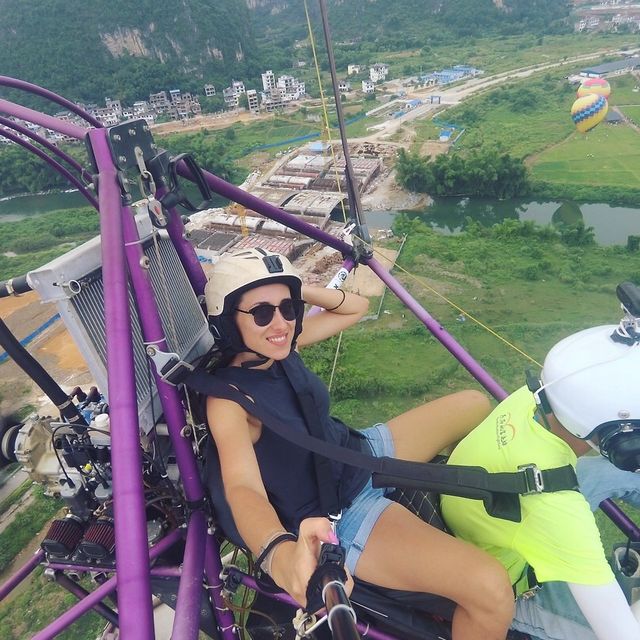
(500, 492)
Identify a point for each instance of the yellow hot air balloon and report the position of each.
(594, 85)
(589, 111)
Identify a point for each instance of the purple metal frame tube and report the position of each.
(48, 145)
(53, 163)
(621, 519)
(186, 252)
(49, 122)
(132, 559)
(438, 331)
(213, 572)
(24, 571)
(227, 190)
(7, 81)
(186, 623)
(80, 608)
(80, 592)
(153, 332)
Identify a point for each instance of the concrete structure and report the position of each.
(344, 86)
(231, 98)
(368, 86)
(354, 69)
(268, 81)
(209, 90)
(253, 103)
(378, 72)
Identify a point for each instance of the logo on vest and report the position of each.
(505, 431)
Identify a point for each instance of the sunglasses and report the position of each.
(263, 313)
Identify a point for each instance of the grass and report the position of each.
(39, 602)
(498, 54)
(15, 496)
(609, 154)
(26, 525)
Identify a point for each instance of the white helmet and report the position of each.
(592, 384)
(231, 276)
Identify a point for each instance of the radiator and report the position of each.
(73, 282)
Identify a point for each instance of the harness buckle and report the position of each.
(533, 480)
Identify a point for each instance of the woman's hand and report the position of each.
(293, 563)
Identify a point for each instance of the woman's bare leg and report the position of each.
(423, 432)
(403, 552)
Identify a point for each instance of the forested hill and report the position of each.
(407, 23)
(89, 49)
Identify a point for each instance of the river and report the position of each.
(612, 225)
(19, 207)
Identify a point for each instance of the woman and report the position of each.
(255, 304)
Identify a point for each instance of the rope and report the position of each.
(324, 108)
(335, 361)
(468, 315)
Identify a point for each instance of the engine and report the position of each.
(74, 463)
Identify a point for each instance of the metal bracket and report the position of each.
(169, 366)
(130, 141)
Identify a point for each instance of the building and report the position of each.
(273, 99)
(608, 69)
(231, 98)
(368, 86)
(175, 96)
(344, 86)
(378, 72)
(238, 87)
(209, 90)
(354, 69)
(159, 101)
(253, 103)
(268, 81)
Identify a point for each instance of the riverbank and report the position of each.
(388, 195)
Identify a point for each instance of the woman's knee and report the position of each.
(489, 589)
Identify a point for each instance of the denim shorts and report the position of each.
(357, 522)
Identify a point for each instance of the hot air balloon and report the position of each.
(598, 86)
(589, 111)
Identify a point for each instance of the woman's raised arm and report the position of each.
(340, 310)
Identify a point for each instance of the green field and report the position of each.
(497, 54)
(609, 154)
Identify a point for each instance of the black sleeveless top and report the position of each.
(287, 470)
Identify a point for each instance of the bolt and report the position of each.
(117, 137)
(132, 132)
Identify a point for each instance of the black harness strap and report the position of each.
(499, 491)
(327, 488)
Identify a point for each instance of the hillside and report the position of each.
(406, 23)
(87, 50)
(90, 49)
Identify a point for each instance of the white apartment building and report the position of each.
(368, 86)
(268, 81)
(378, 72)
(209, 90)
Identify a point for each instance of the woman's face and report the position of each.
(274, 339)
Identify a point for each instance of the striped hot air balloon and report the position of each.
(594, 85)
(589, 111)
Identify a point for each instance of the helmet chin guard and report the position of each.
(236, 273)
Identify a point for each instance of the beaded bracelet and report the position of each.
(264, 558)
(344, 297)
